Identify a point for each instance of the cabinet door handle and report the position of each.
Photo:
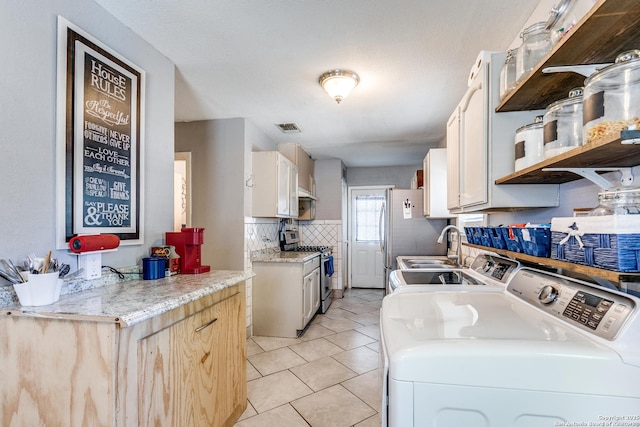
(209, 323)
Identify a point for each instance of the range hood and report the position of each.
(305, 194)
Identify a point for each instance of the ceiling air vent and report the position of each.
(288, 127)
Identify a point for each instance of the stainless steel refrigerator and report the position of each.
(408, 236)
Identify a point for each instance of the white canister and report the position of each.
(529, 144)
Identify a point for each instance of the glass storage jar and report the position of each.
(535, 45)
(528, 149)
(563, 124)
(618, 201)
(611, 100)
(565, 15)
(508, 73)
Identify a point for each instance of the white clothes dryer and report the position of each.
(545, 351)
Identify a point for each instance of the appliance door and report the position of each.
(414, 235)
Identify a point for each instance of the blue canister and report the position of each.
(153, 268)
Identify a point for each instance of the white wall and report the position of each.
(28, 34)
(218, 187)
(328, 176)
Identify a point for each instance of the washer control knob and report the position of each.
(548, 294)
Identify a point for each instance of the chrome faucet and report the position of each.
(441, 239)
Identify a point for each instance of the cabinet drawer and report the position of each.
(310, 265)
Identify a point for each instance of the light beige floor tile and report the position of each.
(349, 340)
(253, 348)
(374, 346)
(360, 360)
(316, 349)
(332, 407)
(283, 416)
(252, 373)
(339, 325)
(374, 421)
(272, 343)
(249, 412)
(372, 331)
(372, 296)
(275, 360)
(356, 307)
(367, 387)
(370, 318)
(316, 331)
(375, 305)
(323, 373)
(337, 313)
(275, 390)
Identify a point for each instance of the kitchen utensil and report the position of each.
(45, 264)
(11, 271)
(63, 270)
(8, 278)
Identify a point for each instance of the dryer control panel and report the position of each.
(588, 307)
(495, 267)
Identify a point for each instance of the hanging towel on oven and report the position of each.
(328, 266)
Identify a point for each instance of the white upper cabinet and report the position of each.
(275, 186)
(305, 164)
(480, 148)
(435, 184)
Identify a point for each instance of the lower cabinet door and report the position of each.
(190, 372)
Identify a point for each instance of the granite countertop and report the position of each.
(284, 256)
(133, 301)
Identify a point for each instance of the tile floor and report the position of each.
(327, 377)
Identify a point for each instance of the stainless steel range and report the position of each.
(290, 241)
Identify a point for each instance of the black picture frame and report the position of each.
(100, 137)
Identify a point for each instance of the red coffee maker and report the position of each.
(187, 242)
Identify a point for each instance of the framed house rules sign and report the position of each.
(102, 137)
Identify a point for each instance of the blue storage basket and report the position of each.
(611, 242)
(511, 239)
(473, 235)
(497, 238)
(485, 238)
(535, 241)
(468, 231)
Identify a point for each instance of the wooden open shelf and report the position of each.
(603, 153)
(613, 276)
(611, 27)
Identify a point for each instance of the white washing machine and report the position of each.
(544, 351)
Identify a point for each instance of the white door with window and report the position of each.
(366, 235)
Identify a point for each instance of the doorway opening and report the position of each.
(366, 236)
(181, 190)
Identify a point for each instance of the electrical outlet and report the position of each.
(92, 265)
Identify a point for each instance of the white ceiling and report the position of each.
(261, 59)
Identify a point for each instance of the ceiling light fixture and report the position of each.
(339, 83)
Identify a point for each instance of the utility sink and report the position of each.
(436, 277)
(422, 263)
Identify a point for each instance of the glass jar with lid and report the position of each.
(528, 148)
(563, 124)
(508, 73)
(611, 100)
(565, 15)
(535, 45)
(618, 201)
